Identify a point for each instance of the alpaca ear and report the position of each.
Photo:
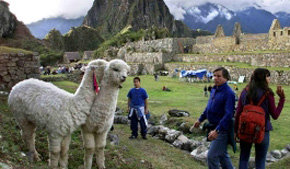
(90, 67)
(99, 67)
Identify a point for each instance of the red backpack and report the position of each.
(252, 122)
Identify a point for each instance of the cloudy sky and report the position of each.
(33, 10)
(177, 6)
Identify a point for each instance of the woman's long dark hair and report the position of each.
(258, 81)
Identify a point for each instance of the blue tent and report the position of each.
(200, 73)
(191, 73)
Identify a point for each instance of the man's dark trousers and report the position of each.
(134, 125)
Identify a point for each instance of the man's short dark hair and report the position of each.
(225, 72)
(137, 78)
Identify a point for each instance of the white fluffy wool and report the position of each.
(101, 118)
(35, 103)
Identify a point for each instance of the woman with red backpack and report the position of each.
(252, 120)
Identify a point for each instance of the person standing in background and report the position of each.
(138, 108)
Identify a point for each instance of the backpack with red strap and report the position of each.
(252, 122)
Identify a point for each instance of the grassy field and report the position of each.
(4, 49)
(241, 53)
(189, 96)
(232, 64)
(137, 153)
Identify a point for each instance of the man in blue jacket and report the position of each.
(138, 108)
(219, 112)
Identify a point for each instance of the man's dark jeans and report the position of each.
(134, 125)
(217, 155)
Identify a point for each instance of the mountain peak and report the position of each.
(253, 19)
(112, 16)
(40, 28)
(10, 27)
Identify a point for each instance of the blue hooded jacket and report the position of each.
(220, 107)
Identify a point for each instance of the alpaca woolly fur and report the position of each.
(98, 124)
(38, 104)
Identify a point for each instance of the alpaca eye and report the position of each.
(115, 69)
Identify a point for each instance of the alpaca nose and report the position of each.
(124, 78)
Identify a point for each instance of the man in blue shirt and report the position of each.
(219, 112)
(138, 108)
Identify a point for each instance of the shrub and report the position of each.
(127, 35)
(55, 40)
(50, 58)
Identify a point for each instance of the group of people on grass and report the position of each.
(62, 69)
(256, 103)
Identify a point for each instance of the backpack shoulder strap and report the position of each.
(262, 99)
(251, 101)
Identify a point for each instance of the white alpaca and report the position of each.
(35, 103)
(101, 118)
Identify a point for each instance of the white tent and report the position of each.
(241, 79)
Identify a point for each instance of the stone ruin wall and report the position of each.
(277, 77)
(160, 45)
(267, 59)
(147, 57)
(144, 69)
(147, 51)
(253, 42)
(152, 58)
(279, 38)
(217, 45)
(17, 67)
(248, 42)
(169, 46)
(280, 42)
(276, 39)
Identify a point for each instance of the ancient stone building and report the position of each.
(219, 31)
(148, 57)
(69, 57)
(237, 33)
(279, 38)
(88, 55)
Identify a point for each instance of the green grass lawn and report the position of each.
(189, 96)
(137, 153)
(4, 49)
(233, 64)
(239, 53)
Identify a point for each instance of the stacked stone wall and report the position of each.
(147, 57)
(247, 42)
(155, 58)
(280, 42)
(167, 45)
(17, 67)
(204, 39)
(150, 46)
(180, 43)
(144, 69)
(253, 42)
(267, 59)
(221, 44)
